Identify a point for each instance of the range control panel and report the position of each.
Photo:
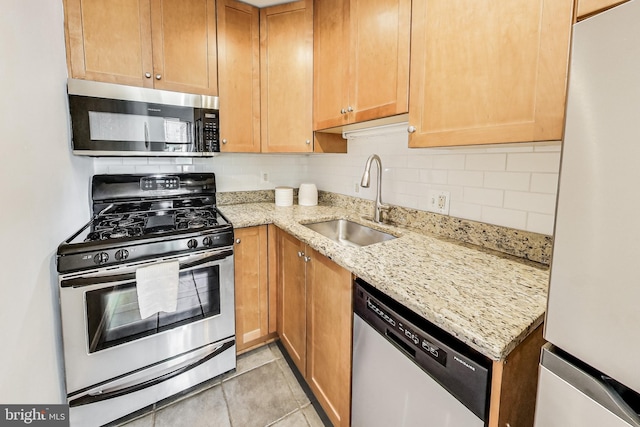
(154, 183)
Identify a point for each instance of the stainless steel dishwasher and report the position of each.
(408, 372)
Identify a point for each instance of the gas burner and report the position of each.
(192, 214)
(196, 223)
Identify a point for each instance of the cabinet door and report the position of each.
(379, 58)
(588, 7)
(251, 286)
(330, 63)
(184, 45)
(486, 72)
(292, 298)
(286, 49)
(109, 41)
(239, 76)
(329, 326)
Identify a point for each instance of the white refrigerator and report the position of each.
(590, 375)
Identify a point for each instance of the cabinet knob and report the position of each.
(343, 111)
(411, 129)
(349, 109)
(308, 141)
(224, 141)
(300, 254)
(307, 259)
(158, 76)
(147, 75)
(237, 241)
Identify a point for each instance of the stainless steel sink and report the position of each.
(349, 233)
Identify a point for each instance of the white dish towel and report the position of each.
(157, 288)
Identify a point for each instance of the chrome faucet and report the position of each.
(365, 182)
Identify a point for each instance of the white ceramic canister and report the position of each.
(308, 195)
(284, 196)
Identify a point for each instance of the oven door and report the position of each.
(104, 336)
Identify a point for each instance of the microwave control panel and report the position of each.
(210, 125)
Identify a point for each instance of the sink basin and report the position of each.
(349, 233)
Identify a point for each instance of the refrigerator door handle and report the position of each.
(600, 389)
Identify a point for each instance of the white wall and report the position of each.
(509, 185)
(43, 194)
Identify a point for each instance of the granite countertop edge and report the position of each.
(488, 300)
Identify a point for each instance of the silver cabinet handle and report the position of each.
(224, 141)
(349, 109)
(308, 141)
(411, 129)
(237, 241)
(147, 75)
(300, 254)
(158, 76)
(307, 259)
(343, 111)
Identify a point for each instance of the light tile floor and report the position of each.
(263, 391)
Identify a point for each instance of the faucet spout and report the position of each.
(365, 182)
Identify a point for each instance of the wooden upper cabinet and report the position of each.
(361, 60)
(184, 45)
(109, 41)
(286, 50)
(166, 44)
(239, 76)
(590, 7)
(488, 72)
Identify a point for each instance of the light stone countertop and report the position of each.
(486, 299)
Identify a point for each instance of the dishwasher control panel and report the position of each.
(461, 370)
(403, 329)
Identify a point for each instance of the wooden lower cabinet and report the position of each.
(251, 287)
(514, 384)
(315, 323)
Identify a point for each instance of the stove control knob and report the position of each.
(101, 258)
(207, 241)
(192, 244)
(122, 254)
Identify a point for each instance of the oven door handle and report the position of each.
(92, 398)
(79, 282)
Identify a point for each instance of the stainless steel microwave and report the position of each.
(116, 120)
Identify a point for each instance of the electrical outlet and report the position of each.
(264, 176)
(357, 188)
(438, 201)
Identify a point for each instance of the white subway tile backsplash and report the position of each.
(486, 162)
(540, 223)
(533, 162)
(507, 180)
(465, 210)
(544, 183)
(465, 178)
(433, 176)
(531, 202)
(504, 217)
(449, 161)
(483, 196)
(511, 185)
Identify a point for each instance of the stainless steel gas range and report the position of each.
(118, 361)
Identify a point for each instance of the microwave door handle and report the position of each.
(146, 136)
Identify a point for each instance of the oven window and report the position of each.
(113, 315)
